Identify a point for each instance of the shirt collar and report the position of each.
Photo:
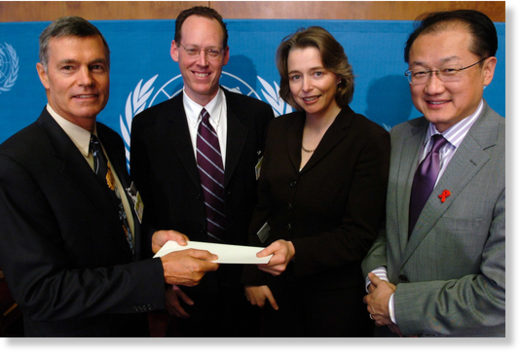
(456, 133)
(213, 107)
(79, 136)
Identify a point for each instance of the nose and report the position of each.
(85, 76)
(203, 61)
(307, 83)
(434, 85)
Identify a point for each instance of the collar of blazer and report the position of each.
(333, 136)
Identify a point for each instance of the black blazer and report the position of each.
(62, 249)
(164, 167)
(333, 208)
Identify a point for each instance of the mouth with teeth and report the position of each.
(201, 75)
(436, 103)
(310, 99)
(85, 96)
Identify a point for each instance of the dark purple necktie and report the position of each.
(424, 180)
(211, 171)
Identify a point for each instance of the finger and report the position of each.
(266, 251)
(183, 296)
(202, 254)
(371, 287)
(268, 269)
(178, 237)
(272, 301)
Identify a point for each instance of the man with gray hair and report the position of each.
(70, 242)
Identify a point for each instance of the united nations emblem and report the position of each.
(9, 65)
(141, 97)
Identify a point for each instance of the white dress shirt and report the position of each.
(217, 110)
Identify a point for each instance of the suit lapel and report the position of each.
(74, 167)
(236, 137)
(410, 152)
(468, 160)
(177, 127)
(294, 140)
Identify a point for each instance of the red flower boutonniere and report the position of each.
(445, 194)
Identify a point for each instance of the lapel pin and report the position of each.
(445, 194)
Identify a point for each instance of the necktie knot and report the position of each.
(205, 116)
(438, 142)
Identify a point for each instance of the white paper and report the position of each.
(230, 254)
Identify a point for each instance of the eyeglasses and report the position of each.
(210, 52)
(420, 77)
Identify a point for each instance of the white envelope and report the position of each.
(230, 254)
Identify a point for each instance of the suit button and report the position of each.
(290, 206)
(403, 278)
(289, 226)
(292, 184)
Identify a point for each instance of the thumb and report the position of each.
(266, 251)
(374, 279)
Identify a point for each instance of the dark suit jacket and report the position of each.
(331, 210)
(64, 255)
(450, 272)
(164, 167)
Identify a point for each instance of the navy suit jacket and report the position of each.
(62, 249)
(164, 167)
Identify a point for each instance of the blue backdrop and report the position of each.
(143, 74)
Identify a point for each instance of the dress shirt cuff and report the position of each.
(380, 272)
(391, 311)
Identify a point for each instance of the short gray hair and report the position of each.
(68, 26)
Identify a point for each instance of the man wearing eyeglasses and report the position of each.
(439, 269)
(173, 149)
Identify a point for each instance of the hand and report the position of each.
(256, 295)
(160, 237)
(173, 304)
(282, 251)
(377, 300)
(187, 267)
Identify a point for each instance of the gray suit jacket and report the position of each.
(450, 273)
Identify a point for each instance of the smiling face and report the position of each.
(312, 86)
(446, 103)
(77, 78)
(200, 72)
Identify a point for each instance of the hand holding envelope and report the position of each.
(230, 254)
(186, 267)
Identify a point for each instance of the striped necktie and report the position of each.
(103, 172)
(211, 172)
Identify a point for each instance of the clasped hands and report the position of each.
(379, 292)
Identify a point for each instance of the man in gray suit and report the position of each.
(439, 269)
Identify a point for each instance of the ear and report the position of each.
(43, 75)
(488, 70)
(174, 52)
(225, 59)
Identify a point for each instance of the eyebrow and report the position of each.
(74, 61)
(443, 61)
(310, 69)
